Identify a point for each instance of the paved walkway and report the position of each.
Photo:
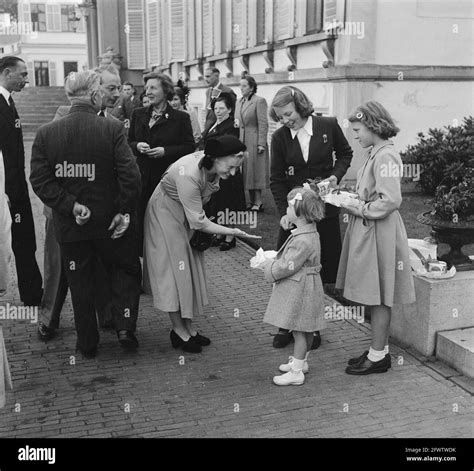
(227, 390)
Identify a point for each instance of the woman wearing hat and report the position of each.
(173, 271)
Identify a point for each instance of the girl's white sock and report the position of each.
(376, 355)
(297, 364)
(385, 349)
(307, 355)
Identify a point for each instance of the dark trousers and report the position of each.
(56, 285)
(331, 246)
(122, 265)
(24, 247)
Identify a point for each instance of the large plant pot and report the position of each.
(455, 235)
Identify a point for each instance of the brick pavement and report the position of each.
(227, 390)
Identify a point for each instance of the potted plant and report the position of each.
(446, 158)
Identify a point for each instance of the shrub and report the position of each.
(445, 156)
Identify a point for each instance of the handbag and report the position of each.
(201, 241)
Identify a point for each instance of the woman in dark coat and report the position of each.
(231, 196)
(303, 149)
(158, 136)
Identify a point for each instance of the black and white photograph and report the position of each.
(236, 219)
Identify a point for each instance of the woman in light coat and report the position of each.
(252, 120)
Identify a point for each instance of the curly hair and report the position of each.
(375, 118)
(311, 206)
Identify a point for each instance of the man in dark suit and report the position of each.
(212, 78)
(130, 99)
(84, 170)
(13, 78)
(55, 281)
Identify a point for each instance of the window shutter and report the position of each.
(178, 34)
(80, 26)
(207, 28)
(164, 33)
(329, 12)
(190, 30)
(239, 19)
(24, 13)
(284, 19)
(31, 72)
(153, 37)
(52, 74)
(53, 17)
(135, 34)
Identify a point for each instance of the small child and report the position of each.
(297, 300)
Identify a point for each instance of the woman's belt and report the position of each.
(312, 270)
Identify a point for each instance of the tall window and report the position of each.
(42, 73)
(68, 15)
(38, 16)
(314, 16)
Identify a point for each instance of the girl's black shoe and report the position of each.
(188, 346)
(355, 361)
(227, 245)
(368, 367)
(201, 340)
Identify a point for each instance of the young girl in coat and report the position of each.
(297, 300)
(375, 266)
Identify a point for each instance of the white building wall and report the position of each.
(54, 47)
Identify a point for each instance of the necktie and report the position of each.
(12, 106)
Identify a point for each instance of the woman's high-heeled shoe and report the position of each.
(188, 346)
(227, 245)
(201, 340)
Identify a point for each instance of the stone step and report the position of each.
(456, 349)
(37, 106)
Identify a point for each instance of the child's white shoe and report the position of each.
(291, 378)
(294, 377)
(287, 366)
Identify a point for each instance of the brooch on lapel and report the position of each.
(325, 138)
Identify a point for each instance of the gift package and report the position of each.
(260, 257)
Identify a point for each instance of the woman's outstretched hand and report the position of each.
(239, 233)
